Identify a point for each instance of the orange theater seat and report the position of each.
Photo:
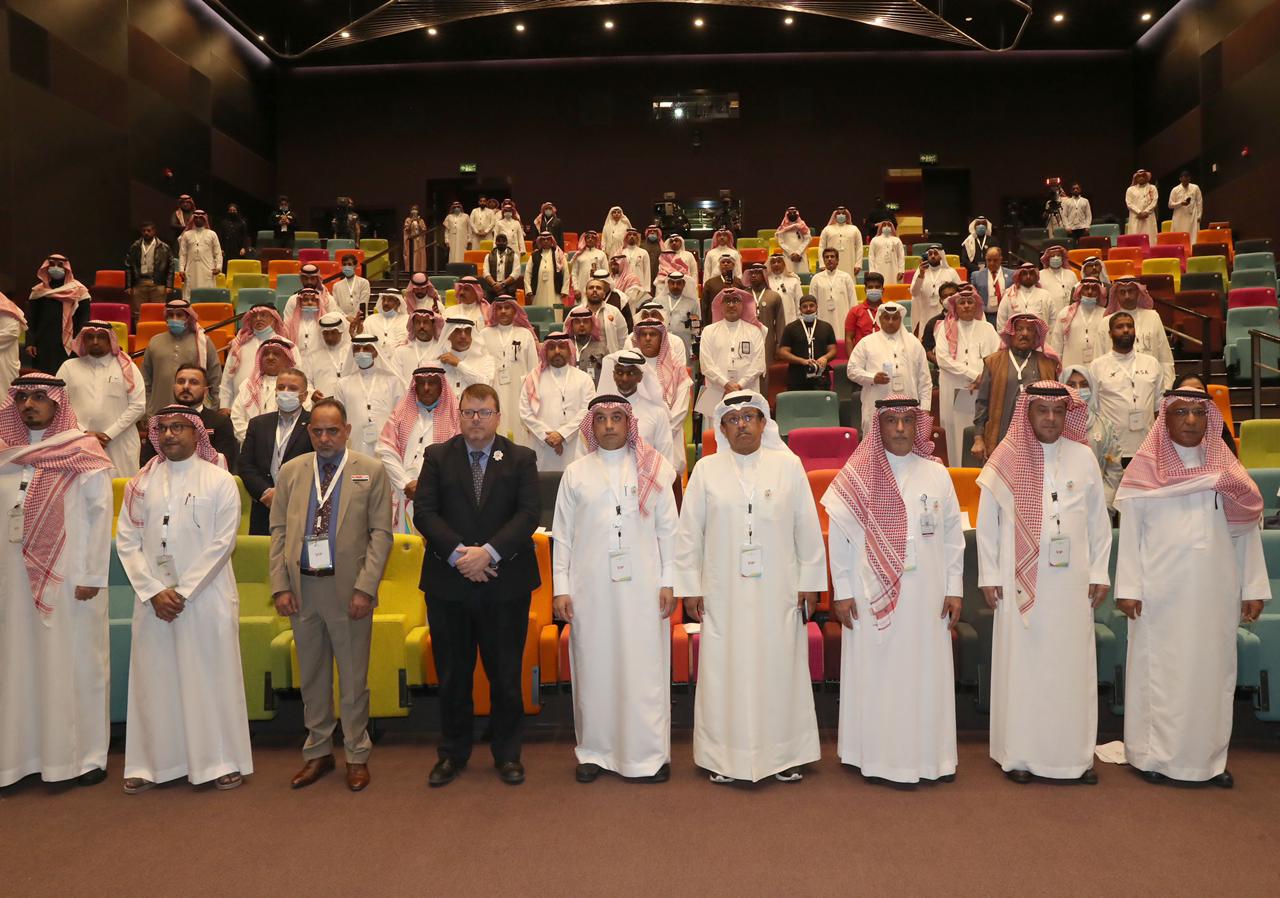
(475, 256)
(965, 481)
(109, 278)
(146, 330)
(708, 442)
(277, 267)
(152, 311)
(897, 293)
(1135, 254)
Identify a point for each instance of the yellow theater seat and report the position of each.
(117, 500)
(264, 670)
(1168, 266)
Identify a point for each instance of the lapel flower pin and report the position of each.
(497, 456)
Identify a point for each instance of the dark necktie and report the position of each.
(324, 511)
(477, 473)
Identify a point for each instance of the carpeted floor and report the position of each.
(832, 834)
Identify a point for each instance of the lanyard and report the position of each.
(167, 499)
(1051, 479)
(322, 498)
(1013, 359)
(282, 440)
(27, 473)
(809, 331)
(751, 498)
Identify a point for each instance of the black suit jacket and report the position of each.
(446, 514)
(221, 434)
(255, 461)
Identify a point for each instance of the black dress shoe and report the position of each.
(1089, 778)
(663, 774)
(1021, 777)
(91, 777)
(1224, 780)
(445, 772)
(1152, 776)
(587, 773)
(511, 772)
(947, 778)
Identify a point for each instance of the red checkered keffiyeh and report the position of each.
(65, 453)
(521, 319)
(951, 323)
(193, 325)
(748, 306)
(670, 372)
(245, 334)
(253, 386)
(648, 461)
(70, 294)
(136, 489)
(126, 364)
(1074, 308)
(1015, 476)
(1157, 471)
(8, 307)
(399, 427)
(1144, 297)
(531, 381)
(867, 486)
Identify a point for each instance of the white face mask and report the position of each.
(364, 360)
(886, 232)
(287, 400)
(1085, 393)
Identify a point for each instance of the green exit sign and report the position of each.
(928, 158)
(466, 168)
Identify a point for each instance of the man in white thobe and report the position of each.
(749, 564)
(1130, 295)
(1025, 297)
(199, 255)
(1076, 332)
(483, 217)
(589, 257)
(512, 343)
(391, 324)
(12, 323)
(55, 487)
(464, 359)
(547, 274)
(1057, 277)
(369, 393)
(793, 237)
(614, 529)
(787, 285)
(351, 291)
(897, 559)
(553, 399)
(423, 345)
(258, 395)
(843, 235)
(732, 350)
(426, 414)
(471, 303)
(107, 394)
(1044, 541)
(1129, 384)
(261, 323)
(680, 308)
(1187, 204)
(613, 324)
(326, 362)
(834, 290)
(889, 360)
(1142, 199)
(1189, 570)
(626, 373)
(457, 233)
(176, 533)
(421, 294)
(638, 260)
(961, 341)
(672, 377)
(886, 255)
(934, 271)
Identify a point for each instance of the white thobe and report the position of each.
(925, 304)
(789, 288)
(351, 295)
(753, 713)
(515, 353)
(324, 366)
(392, 331)
(899, 355)
(1178, 557)
(619, 643)
(199, 257)
(416, 354)
(1186, 218)
(584, 262)
(794, 241)
(678, 311)
(1142, 199)
(847, 240)
(515, 234)
(563, 396)
(638, 259)
(836, 294)
(1149, 337)
(10, 331)
(187, 714)
(457, 233)
(1060, 284)
(543, 292)
(475, 366)
(887, 256)
(1076, 214)
(404, 468)
(1019, 300)
(613, 326)
(975, 341)
(1128, 389)
(1044, 671)
(55, 671)
(237, 370)
(369, 396)
(897, 685)
(103, 402)
(732, 352)
(243, 409)
(677, 412)
(1085, 341)
(711, 262)
(481, 225)
(473, 312)
(653, 422)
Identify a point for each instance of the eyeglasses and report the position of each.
(484, 414)
(744, 418)
(176, 428)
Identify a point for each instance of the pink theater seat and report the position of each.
(1251, 296)
(313, 255)
(1140, 240)
(1170, 251)
(823, 448)
(110, 311)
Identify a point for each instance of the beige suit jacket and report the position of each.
(363, 524)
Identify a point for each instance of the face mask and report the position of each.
(873, 295)
(309, 313)
(177, 328)
(1085, 393)
(506, 214)
(809, 317)
(841, 219)
(388, 313)
(793, 216)
(364, 360)
(980, 230)
(57, 273)
(886, 232)
(264, 333)
(1055, 262)
(287, 401)
(652, 238)
(1089, 301)
(348, 271)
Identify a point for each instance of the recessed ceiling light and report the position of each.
(262, 37)
(432, 32)
(968, 18)
(1059, 17)
(698, 23)
(788, 21)
(608, 24)
(519, 26)
(346, 34)
(1146, 17)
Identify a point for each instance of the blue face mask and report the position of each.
(1055, 262)
(264, 333)
(176, 327)
(1088, 301)
(56, 273)
(873, 295)
(364, 360)
(809, 317)
(348, 271)
(980, 230)
(1085, 393)
(841, 219)
(309, 312)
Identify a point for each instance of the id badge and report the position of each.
(1060, 551)
(370, 432)
(15, 525)
(504, 377)
(909, 556)
(620, 565)
(168, 574)
(1137, 420)
(751, 561)
(318, 553)
(831, 304)
(928, 523)
(895, 384)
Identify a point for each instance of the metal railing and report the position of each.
(1255, 346)
(1206, 326)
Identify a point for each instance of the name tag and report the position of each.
(359, 478)
(620, 565)
(318, 558)
(744, 348)
(370, 432)
(896, 383)
(751, 561)
(1060, 551)
(504, 377)
(15, 525)
(168, 574)
(1137, 420)
(928, 523)
(909, 556)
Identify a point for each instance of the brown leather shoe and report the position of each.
(312, 771)
(357, 776)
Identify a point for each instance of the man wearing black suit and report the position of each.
(477, 506)
(271, 440)
(190, 387)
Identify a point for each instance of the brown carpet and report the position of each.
(832, 834)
